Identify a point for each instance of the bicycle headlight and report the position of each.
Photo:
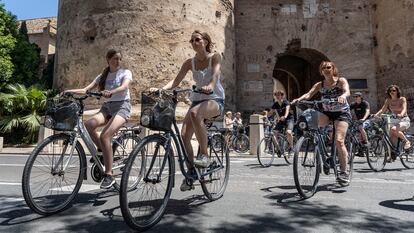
(49, 122)
(302, 125)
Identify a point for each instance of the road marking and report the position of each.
(10, 183)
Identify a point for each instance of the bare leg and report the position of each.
(198, 113)
(363, 133)
(340, 132)
(187, 132)
(289, 137)
(394, 135)
(92, 124)
(107, 134)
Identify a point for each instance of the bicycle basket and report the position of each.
(61, 114)
(157, 112)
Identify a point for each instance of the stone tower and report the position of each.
(153, 37)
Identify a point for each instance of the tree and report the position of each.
(8, 34)
(26, 59)
(21, 109)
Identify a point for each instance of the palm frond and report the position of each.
(31, 122)
(8, 123)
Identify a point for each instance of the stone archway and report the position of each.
(298, 70)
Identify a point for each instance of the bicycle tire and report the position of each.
(214, 184)
(241, 143)
(217, 140)
(312, 161)
(266, 150)
(377, 153)
(407, 157)
(133, 201)
(122, 147)
(56, 199)
(285, 149)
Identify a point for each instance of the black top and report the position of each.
(333, 94)
(281, 109)
(360, 108)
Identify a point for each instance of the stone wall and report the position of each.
(153, 37)
(394, 33)
(308, 30)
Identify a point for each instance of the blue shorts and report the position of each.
(220, 103)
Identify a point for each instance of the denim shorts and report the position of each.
(286, 124)
(403, 122)
(220, 103)
(113, 108)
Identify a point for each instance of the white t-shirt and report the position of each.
(115, 80)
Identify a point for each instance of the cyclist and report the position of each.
(334, 88)
(396, 105)
(205, 67)
(228, 125)
(281, 107)
(113, 83)
(238, 120)
(361, 113)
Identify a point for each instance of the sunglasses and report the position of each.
(195, 39)
(279, 94)
(327, 67)
(393, 90)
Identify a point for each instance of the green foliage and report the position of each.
(26, 58)
(47, 76)
(21, 110)
(8, 33)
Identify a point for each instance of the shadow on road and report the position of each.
(403, 204)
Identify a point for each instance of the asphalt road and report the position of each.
(256, 200)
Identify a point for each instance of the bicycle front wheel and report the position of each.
(306, 166)
(241, 143)
(53, 174)
(377, 153)
(144, 205)
(266, 151)
(122, 147)
(407, 157)
(215, 178)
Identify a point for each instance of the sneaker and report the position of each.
(202, 161)
(365, 144)
(187, 185)
(107, 182)
(343, 178)
(407, 145)
(326, 169)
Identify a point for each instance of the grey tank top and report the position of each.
(203, 78)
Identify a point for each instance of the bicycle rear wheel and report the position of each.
(407, 157)
(215, 178)
(285, 148)
(144, 205)
(266, 151)
(122, 147)
(306, 166)
(52, 176)
(377, 153)
(241, 143)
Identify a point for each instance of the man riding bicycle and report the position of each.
(361, 112)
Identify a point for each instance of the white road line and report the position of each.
(10, 183)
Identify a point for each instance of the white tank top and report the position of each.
(203, 78)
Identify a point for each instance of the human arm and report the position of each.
(180, 76)
(367, 112)
(345, 87)
(310, 93)
(90, 86)
(404, 110)
(383, 109)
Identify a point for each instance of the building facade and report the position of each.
(265, 44)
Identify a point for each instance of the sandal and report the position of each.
(407, 145)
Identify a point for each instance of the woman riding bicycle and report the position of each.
(396, 105)
(335, 89)
(113, 84)
(205, 66)
(285, 119)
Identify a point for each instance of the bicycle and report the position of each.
(239, 141)
(55, 169)
(274, 142)
(311, 151)
(144, 206)
(354, 136)
(381, 147)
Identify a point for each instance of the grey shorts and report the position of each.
(403, 122)
(113, 108)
